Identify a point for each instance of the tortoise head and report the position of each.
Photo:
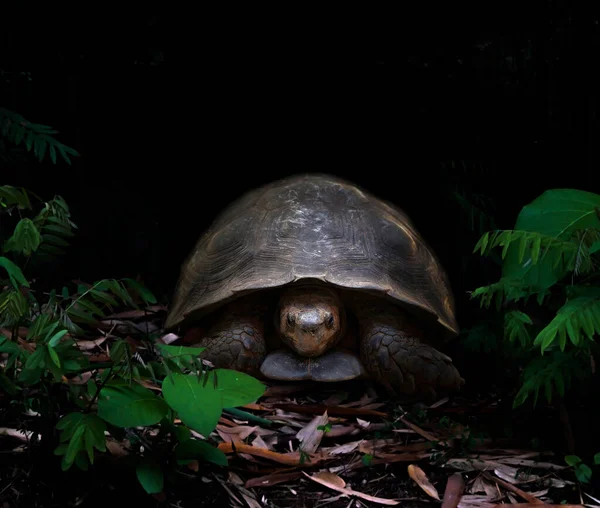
(310, 319)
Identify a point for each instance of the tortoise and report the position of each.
(312, 278)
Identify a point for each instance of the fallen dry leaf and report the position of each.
(509, 486)
(335, 485)
(455, 487)
(418, 430)
(345, 448)
(289, 459)
(310, 436)
(420, 478)
(272, 479)
(22, 435)
(331, 410)
(86, 345)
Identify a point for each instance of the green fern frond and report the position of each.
(515, 327)
(586, 241)
(529, 242)
(575, 253)
(55, 226)
(505, 290)
(35, 137)
(550, 373)
(576, 320)
(13, 307)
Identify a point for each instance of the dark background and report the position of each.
(176, 115)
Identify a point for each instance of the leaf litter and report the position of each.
(339, 444)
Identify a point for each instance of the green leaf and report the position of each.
(572, 460)
(144, 292)
(14, 271)
(124, 405)
(54, 356)
(177, 351)
(557, 213)
(56, 338)
(597, 459)
(74, 447)
(236, 388)
(195, 449)
(198, 404)
(25, 239)
(14, 196)
(572, 318)
(150, 476)
(54, 240)
(583, 473)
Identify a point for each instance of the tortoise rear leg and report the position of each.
(395, 355)
(236, 339)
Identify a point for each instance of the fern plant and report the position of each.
(551, 257)
(35, 138)
(41, 236)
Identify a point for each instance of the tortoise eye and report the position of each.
(291, 320)
(329, 321)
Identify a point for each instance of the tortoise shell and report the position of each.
(316, 227)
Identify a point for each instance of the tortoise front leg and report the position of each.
(236, 339)
(395, 356)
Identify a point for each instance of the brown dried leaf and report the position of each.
(272, 479)
(242, 431)
(331, 410)
(80, 379)
(22, 435)
(258, 442)
(115, 448)
(289, 459)
(420, 478)
(310, 436)
(418, 430)
(509, 486)
(87, 345)
(345, 448)
(455, 487)
(334, 484)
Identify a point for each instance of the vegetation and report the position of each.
(550, 258)
(47, 373)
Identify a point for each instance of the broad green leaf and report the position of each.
(26, 238)
(124, 405)
(198, 404)
(597, 459)
(583, 473)
(572, 460)
(150, 476)
(195, 449)
(556, 213)
(14, 271)
(236, 388)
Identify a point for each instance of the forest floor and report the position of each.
(307, 445)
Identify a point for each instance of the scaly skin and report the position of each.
(395, 354)
(236, 339)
